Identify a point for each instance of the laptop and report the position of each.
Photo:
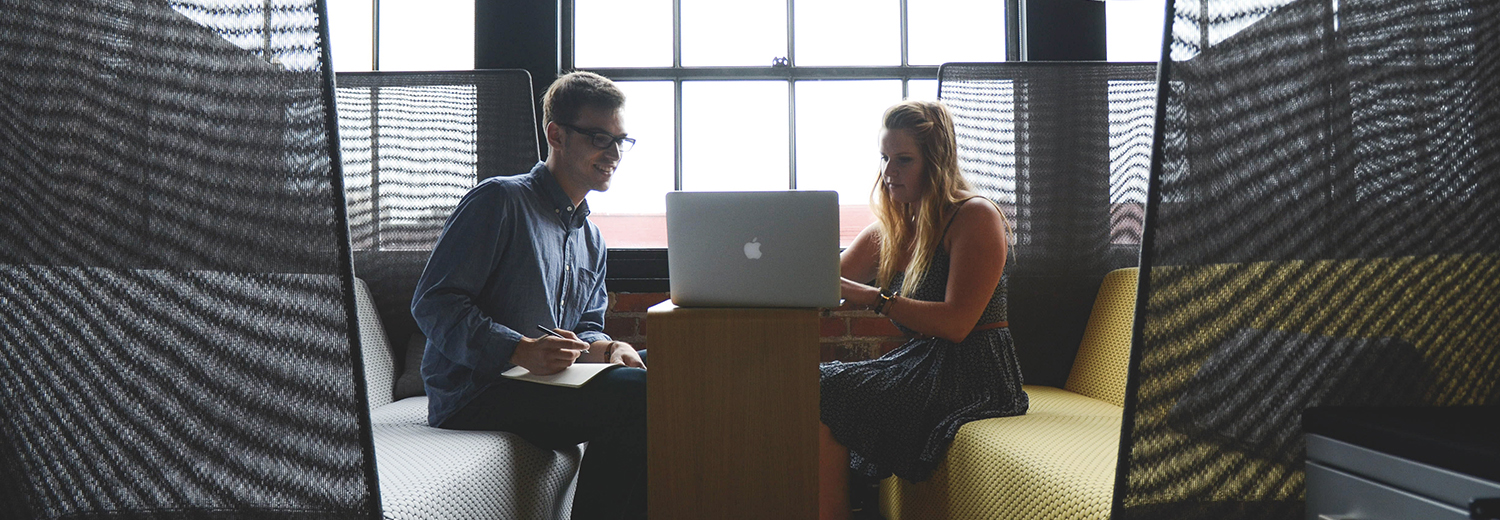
(753, 248)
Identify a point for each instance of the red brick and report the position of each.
(637, 302)
(852, 351)
(833, 327)
(620, 327)
(887, 346)
(873, 327)
(828, 352)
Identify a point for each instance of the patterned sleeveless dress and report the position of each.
(898, 413)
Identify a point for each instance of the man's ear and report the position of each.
(554, 135)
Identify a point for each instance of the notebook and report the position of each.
(753, 248)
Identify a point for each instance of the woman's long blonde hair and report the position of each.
(918, 231)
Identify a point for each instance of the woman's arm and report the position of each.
(859, 261)
(977, 249)
(858, 265)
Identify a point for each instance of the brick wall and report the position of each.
(846, 334)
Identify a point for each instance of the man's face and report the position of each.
(581, 166)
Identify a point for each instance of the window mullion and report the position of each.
(677, 34)
(677, 134)
(905, 61)
(791, 103)
(791, 94)
(375, 35)
(677, 95)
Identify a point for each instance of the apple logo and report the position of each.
(752, 249)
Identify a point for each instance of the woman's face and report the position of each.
(901, 166)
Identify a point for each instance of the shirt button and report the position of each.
(570, 208)
(567, 268)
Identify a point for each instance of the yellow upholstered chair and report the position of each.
(1055, 462)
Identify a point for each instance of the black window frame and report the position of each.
(538, 36)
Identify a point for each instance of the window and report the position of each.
(763, 94)
(410, 34)
(1134, 29)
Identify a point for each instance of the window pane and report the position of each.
(1134, 29)
(611, 33)
(350, 35)
(632, 213)
(848, 32)
(426, 34)
(838, 143)
(734, 135)
(743, 32)
(922, 89)
(956, 30)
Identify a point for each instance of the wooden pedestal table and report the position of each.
(732, 411)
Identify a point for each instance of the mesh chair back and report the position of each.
(175, 283)
(1323, 229)
(413, 144)
(1064, 147)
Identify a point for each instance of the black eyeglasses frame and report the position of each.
(602, 140)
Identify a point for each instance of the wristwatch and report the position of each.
(885, 299)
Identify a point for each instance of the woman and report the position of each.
(937, 255)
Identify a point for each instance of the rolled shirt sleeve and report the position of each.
(446, 305)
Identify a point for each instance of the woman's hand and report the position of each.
(858, 294)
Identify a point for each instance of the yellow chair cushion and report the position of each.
(1055, 462)
(1103, 360)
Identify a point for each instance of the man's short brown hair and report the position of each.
(567, 96)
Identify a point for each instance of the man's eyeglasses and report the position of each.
(602, 139)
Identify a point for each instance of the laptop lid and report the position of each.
(753, 248)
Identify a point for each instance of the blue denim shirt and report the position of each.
(515, 254)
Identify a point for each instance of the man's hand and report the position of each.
(548, 355)
(625, 354)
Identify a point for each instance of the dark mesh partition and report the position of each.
(1323, 229)
(175, 292)
(413, 144)
(1065, 148)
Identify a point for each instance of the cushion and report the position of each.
(1055, 462)
(375, 349)
(410, 382)
(412, 410)
(430, 474)
(1103, 361)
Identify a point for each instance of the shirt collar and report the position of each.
(552, 192)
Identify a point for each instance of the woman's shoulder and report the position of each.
(975, 214)
(971, 206)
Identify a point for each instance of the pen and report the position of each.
(554, 333)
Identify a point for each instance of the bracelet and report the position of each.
(609, 349)
(885, 299)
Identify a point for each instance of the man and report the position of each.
(519, 252)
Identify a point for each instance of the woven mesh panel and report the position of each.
(413, 143)
(1324, 230)
(1103, 360)
(175, 295)
(1065, 149)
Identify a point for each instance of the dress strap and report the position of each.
(955, 215)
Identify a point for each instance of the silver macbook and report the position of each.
(753, 248)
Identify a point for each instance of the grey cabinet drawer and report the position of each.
(1336, 495)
